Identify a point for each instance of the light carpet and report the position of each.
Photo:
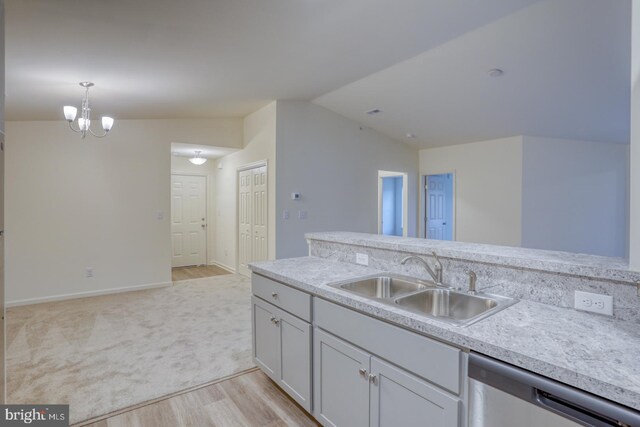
(101, 354)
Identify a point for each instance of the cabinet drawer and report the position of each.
(292, 300)
(430, 359)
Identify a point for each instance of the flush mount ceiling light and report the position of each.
(495, 72)
(198, 159)
(410, 135)
(84, 121)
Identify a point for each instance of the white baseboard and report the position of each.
(86, 294)
(221, 265)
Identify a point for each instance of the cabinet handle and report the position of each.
(274, 320)
(373, 379)
(274, 295)
(363, 372)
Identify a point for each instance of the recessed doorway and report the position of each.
(439, 206)
(392, 203)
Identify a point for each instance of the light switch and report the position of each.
(160, 215)
(285, 214)
(302, 214)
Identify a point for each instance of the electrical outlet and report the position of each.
(596, 303)
(88, 272)
(362, 259)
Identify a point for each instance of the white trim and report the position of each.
(422, 211)
(405, 200)
(253, 165)
(76, 295)
(223, 266)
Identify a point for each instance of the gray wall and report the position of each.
(575, 196)
(334, 165)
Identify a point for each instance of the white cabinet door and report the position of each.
(295, 358)
(266, 338)
(341, 385)
(401, 399)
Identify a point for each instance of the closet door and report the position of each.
(244, 221)
(252, 217)
(259, 213)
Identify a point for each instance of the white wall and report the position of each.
(259, 144)
(182, 166)
(634, 239)
(488, 180)
(334, 165)
(574, 196)
(73, 204)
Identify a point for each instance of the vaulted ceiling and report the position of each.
(423, 62)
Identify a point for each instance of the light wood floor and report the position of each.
(196, 272)
(247, 400)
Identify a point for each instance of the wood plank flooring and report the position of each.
(247, 400)
(197, 272)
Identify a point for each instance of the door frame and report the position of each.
(423, 202)
(206, 212)
(405, 199)
(242, 168)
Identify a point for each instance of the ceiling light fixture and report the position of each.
(374, 111)
(495, 72)
(198, 159)
(410, 136)
(84, 121)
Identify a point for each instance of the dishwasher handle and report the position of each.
(569, 402)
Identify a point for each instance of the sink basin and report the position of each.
(426, 298)
(381, 287)
(453, 307)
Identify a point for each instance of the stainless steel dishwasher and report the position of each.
(501, 395)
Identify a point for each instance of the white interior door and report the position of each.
(188, 220)
(252, 217)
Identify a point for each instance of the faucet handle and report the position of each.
(438, 263)
(472, 282)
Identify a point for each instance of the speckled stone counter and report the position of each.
(594, 353)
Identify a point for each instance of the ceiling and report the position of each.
(189, 150)
(566, 74)
(214, 58)
(423, 63)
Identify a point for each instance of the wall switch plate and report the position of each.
(596, 303)
(160, 215)
(302, 214)
(88, 272)
(362, 259)
(285, 214)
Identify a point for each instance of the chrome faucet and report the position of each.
(435, 275)
(472, 282)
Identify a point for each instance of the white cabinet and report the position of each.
(356, 389)
(401, 399)
(282, 349)
(341, 382)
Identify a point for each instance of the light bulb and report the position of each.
(197, 160)
(107, 123)
(70, 113)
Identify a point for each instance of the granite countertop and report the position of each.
(599, 267)
(591, 352)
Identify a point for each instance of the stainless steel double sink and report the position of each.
(427, 299)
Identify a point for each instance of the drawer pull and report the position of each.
(274, 295)
(275, 321)
(363, 372)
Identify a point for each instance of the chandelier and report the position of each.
(198, 159)
(84, 121)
